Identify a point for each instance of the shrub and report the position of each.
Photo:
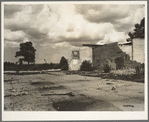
(140, 69)
(86, 66)
(106, 68)
(63, 64)
(137, 68)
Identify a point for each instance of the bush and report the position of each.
(137, 70)
(140, 69)
(106, 68)
(86, 66)
(63, 64)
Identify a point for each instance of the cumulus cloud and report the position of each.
(11, 44)
(15, 36)
(55, 27)
(76, 24)
(122, 16)
(115, 37)
(102, 13)
(10, 10)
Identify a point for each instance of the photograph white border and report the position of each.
(87, 115)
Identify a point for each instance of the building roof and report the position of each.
(126, 43)
(91, 45)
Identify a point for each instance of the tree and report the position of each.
(86, 66)
(63, 63)
(27, 51)
(138, 31)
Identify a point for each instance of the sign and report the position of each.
(75, 54)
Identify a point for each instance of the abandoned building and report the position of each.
(118, 56)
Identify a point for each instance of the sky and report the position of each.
(57, 29)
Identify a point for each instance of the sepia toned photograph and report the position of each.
(74, 57)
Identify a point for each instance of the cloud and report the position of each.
(76, 24)
(11, 44)
(14, 36)
(115, 14)
(35, 26)
(10, 10)
(127, 24)
(59, 28)
(102, 13)
(37, 8)
(115, 37)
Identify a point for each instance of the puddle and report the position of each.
(51, 88)
(110, 84)
(128, 105)
(84, 104)
(82, 95)
(42, 83)
(72, 105)
(69, 94)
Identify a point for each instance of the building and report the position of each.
(118, 56)
(77, 56)
(138, 47)
(75, 62)
(109, 54)
(127, 48)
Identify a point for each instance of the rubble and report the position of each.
(16, 94)
(113, 88)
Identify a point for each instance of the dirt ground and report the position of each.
(56, 91)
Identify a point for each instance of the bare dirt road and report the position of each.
(56, 91)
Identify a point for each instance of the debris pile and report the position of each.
(14, 92)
